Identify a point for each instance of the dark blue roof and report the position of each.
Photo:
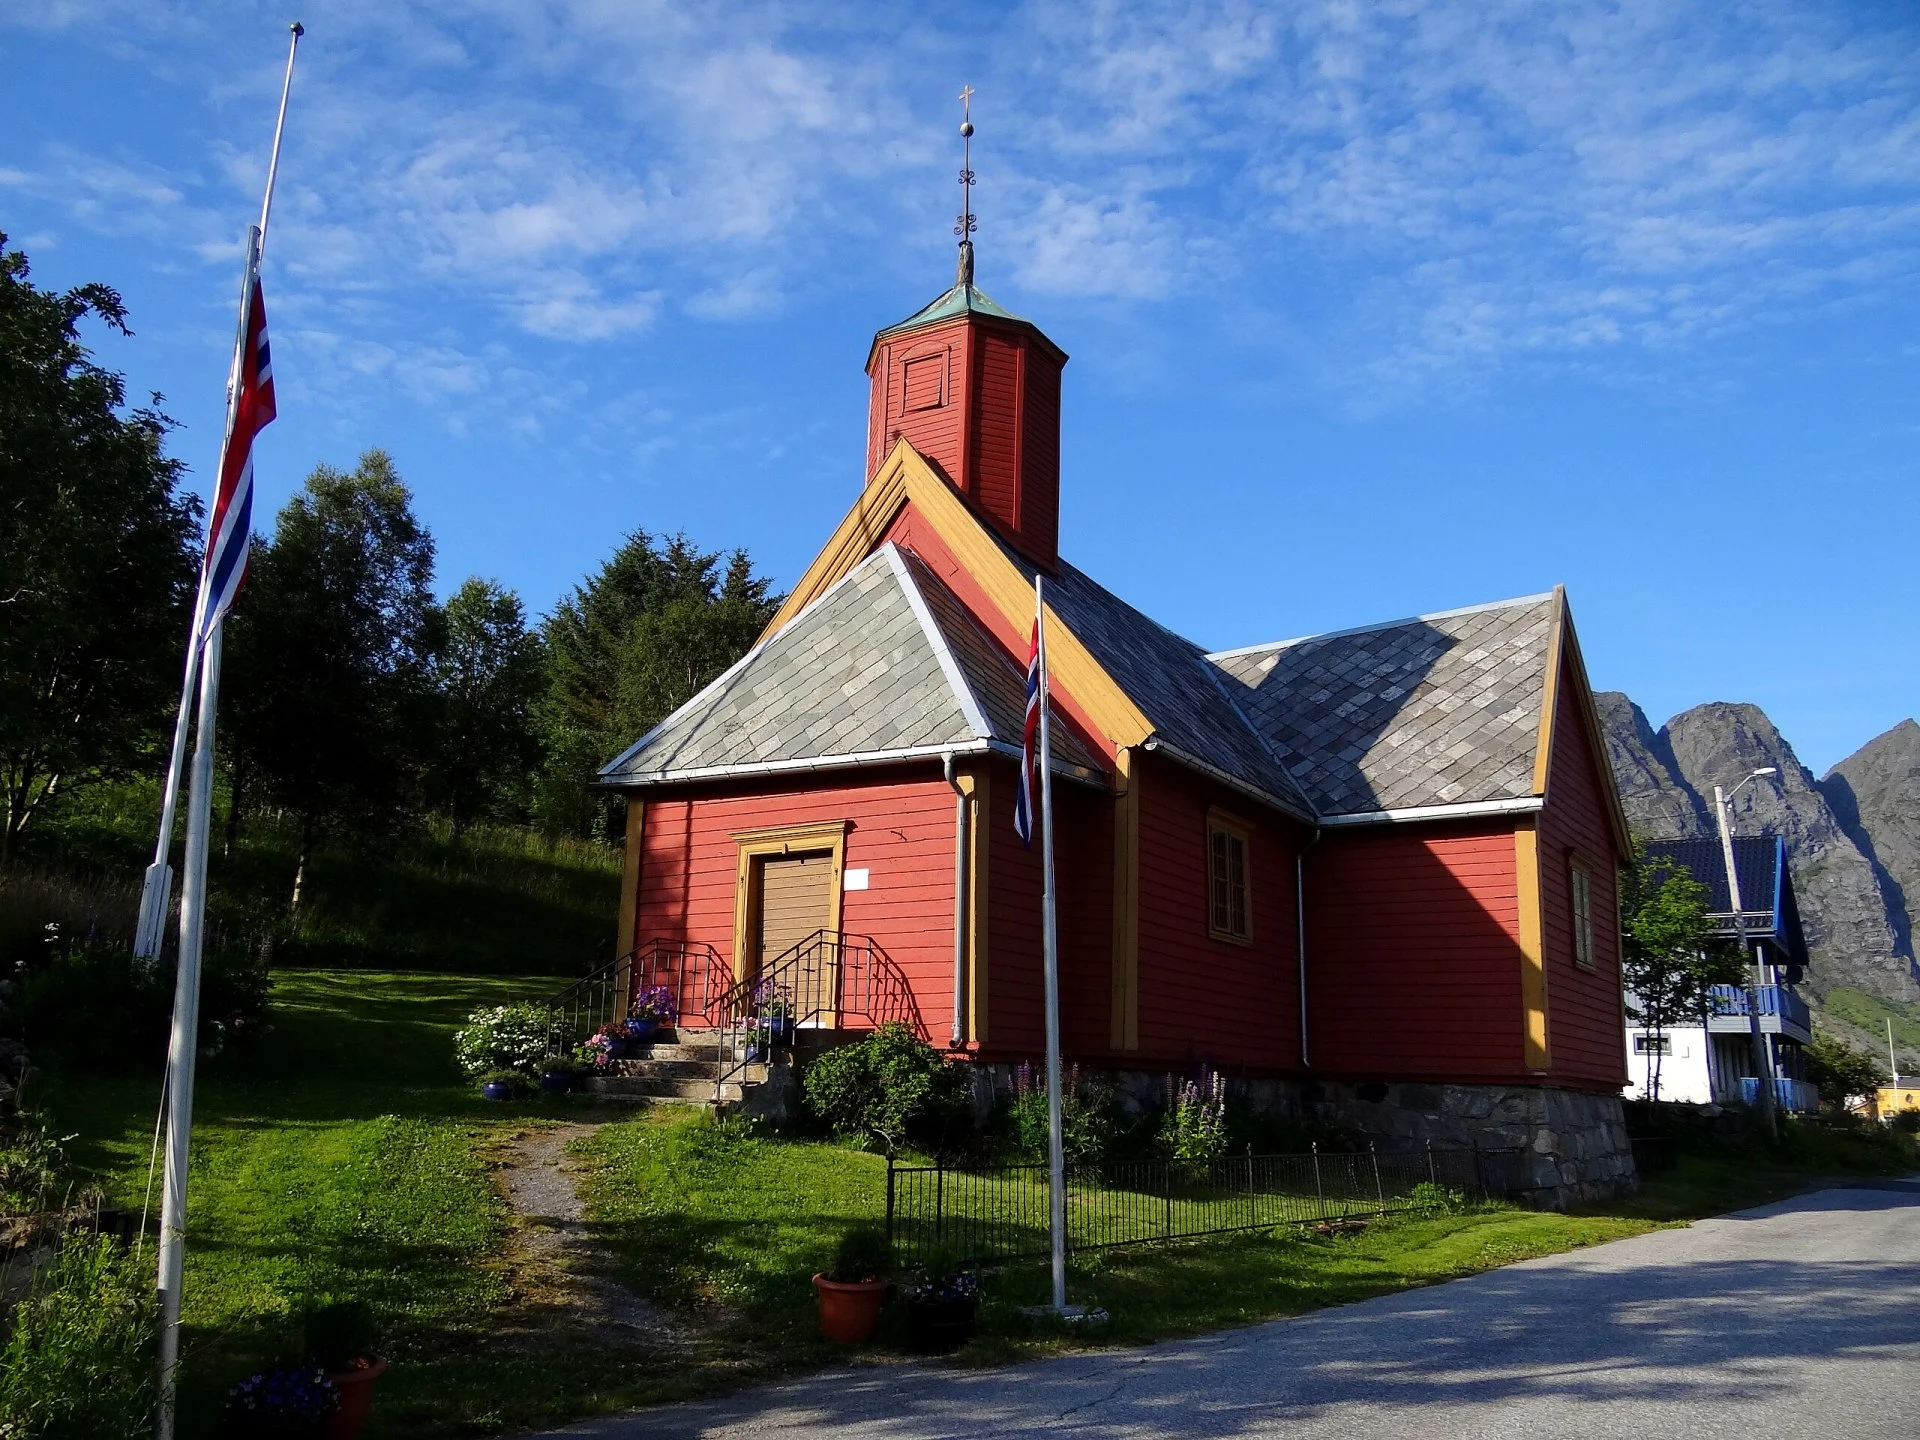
(1766, 888)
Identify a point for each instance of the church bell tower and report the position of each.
(976, 390)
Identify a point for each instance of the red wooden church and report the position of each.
(1369, 874)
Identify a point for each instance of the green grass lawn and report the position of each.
(343, 1157)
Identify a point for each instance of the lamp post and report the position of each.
(1762, 1056)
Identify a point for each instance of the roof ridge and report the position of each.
(1518, 600)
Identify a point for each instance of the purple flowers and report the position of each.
(654, 1004)
(285, 1396)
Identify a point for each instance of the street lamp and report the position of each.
(1762, 1055)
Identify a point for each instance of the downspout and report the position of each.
(1300, 947)
(962, 838)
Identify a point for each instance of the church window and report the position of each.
(1582, 893)
(925, 380)
(1230, 917)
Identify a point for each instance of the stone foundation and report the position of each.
(1537, 1144)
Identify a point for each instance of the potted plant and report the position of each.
(286, 1401)
(851, 1291)
(652, 1010)
(340, 1340)
(942, 1305)
(606, 1045)
(560, 1074)
(502, 1084)
(773, 1005)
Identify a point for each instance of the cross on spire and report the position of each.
(964, 222)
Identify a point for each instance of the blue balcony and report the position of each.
(1782, 1011)
(1793, 1095)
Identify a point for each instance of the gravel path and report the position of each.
(1794, 1321)
(560, 1271)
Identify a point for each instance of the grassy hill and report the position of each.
(506, 899)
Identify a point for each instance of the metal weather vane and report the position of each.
(964, 224)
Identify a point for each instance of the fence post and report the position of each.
(889, 1203)
(1432, 1179)
(939, 1202)
(1253, 1205)
(1379, 1193)
(1479, 1172)
(1319, 1190)
(1167, 1191)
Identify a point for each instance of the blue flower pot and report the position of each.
(497, 1090)
(780, 1032)
(641, 1032)
(556, 1081)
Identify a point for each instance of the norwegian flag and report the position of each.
(230, 527)
(1029, 745)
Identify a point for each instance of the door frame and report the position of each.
(829, 836)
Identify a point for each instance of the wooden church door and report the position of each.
(795, 900)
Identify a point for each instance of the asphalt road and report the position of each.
(1798, 1319)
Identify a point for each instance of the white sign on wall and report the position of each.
(854, 879)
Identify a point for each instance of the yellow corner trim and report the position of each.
(1549, 693)
(1123, 1028)
(978, 785)
(1533, 965)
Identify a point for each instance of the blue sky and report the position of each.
(1373, 309)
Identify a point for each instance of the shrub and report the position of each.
(81, 1356)
(504, 1037)
(514, 1080)
(1194, 1128)
(863, 1254)
(881, 1087)
(1088, 1125)
(1907, 1122)
(33, 1166)
(97, 1005)
(1429, 1196)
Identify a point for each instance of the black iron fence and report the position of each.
(1001, 1212)
(691, 971)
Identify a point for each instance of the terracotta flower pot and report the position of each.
(849, 1311)
(356, 1398)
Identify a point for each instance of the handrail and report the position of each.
(690, 969)
(828, 976)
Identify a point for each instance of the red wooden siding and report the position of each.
(1585, 1026)
(1040, 459)
(901, 832)
(993, 478)
(1203, 999)
(1413, 953)
(935, 431)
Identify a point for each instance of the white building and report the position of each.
(1712, 1061)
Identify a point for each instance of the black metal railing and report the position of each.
(823, 981)
(690, 969)
(1002, 1212)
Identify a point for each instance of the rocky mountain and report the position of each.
(1875, 795)
(1853, 839)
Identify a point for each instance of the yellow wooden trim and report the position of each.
(1549, 694)
(829, 835)
(1533, 964)
(1123, 1029)
(906, 476)
(630, 894)
(979, 788)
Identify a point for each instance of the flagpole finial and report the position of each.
(964, 224)
(298, 29)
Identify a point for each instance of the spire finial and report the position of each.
(964, 225)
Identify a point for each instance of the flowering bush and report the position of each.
(655, 1003)
(1194, 1129)
(286, 1400)
(503, 1037)
(1088, 1126)
(603, 1046)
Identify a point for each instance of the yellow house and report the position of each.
(1891, 1100)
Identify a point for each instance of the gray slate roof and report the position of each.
(1437, 710)
(887, 660)
(1172, 682)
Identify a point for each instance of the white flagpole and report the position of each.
(183, 1043)
(1056, 1151)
